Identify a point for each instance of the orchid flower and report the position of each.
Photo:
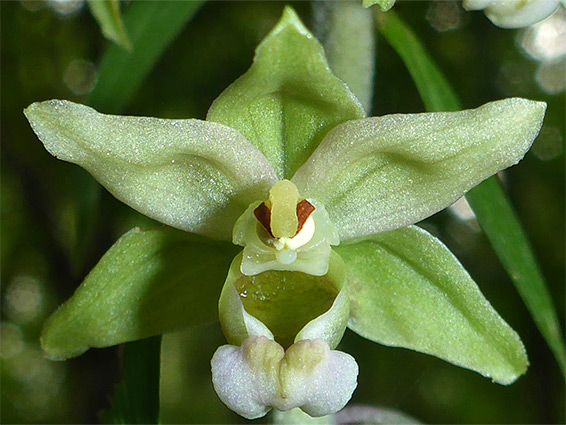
(503, 13)
(514, 13)
(323, 201)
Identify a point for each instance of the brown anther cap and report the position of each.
(263, 215)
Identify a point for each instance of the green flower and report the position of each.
(323, 201)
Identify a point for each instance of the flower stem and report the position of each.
(346, 30)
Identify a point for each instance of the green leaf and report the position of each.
(107, 14)
(428, 78)
(492, 207)
(151, 25)
(504, 231)
(384, 5)
(383, 173)
(194, 175)
(136, 397)
(408, 290)
(147, 284)
(289, 99)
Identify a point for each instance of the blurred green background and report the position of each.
(57, 222)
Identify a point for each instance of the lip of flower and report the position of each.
(291, 363)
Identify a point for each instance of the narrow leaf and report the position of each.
(136, 397)
(492, 207)
(287, 101)
(107, 14)
(383, 173)
(408, 290)
(151, 26)
(194, 175)
(147, 284)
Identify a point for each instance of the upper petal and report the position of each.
(382, 173)
(195, 175)
(289, 98)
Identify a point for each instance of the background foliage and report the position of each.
(56, 222)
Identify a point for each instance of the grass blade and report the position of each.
(151, 26)
(136, 397)
(488, 200)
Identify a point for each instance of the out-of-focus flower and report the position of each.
(514, 13)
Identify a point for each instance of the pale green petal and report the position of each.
(289, 99)
(382, 173)
(148, 283)
(408, 290)
(195, 175)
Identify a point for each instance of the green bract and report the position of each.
(358, 181)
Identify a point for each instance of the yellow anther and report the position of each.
(284, 197)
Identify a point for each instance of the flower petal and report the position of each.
(383, 173)
(289, 99)
(259, 374)
(245, 378)
(285, 306)
(195, 175)
(408, 290)
(147, 284)
(319, 381)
